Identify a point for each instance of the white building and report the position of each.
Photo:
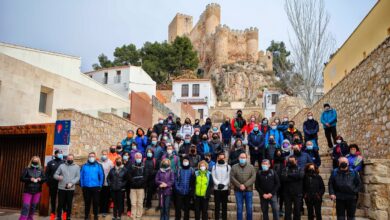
(199, 93)
(270, 99)
(124, 79)
(35, 83)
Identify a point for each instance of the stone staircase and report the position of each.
(327, 205)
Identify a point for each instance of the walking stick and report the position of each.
(334, 217)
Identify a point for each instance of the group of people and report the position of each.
(184, 164)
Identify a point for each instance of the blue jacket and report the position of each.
(183, 181)
(277, 134)
(283, 127)
(126, 144)
(330, 117)
(256, 140)
(226, 131)
(158, 151)
(203, 148)
(142, 143)
(91, 175)
(355, 162)
(211, 165)
(310, 129)
(303, 159)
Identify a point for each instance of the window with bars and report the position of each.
(184, 90)
(195, 90)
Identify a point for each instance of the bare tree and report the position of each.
(312, 43)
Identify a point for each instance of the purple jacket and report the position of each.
(132, 155)
(167, 177)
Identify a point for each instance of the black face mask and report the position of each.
(297, 152)
(215, 137)
(112, 150)
(271, 141)
(311, 171)
(69, 161)
(187, 122)
(289, 164)
(207, 160)
(343, 165)
(226, 122)
(192, 151)
(291, 126)
(118, 163)
(221, 161)
(197, 122)
(204, 138)
(34, 163)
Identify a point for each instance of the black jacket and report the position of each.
(233, 156)
(151, 168)
(344, 184)
(29, 186)
(117, 178)
(217, 147)
(51, 168)
(310, 129)
(184, 149)
(292, 178)
(137, 176)
(196, 139)
(158, 128)
(313, 187)
(290, 135)
(267, 182)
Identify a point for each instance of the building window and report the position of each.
(45, 100)
(105, 80)
(275, 99)
(118, 77)
(195, 90)
(200, 113)
(184, 90)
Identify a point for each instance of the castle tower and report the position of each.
(221, 43)
(252, 44)
(181, 25)
(212, 18)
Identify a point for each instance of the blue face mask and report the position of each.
(154, 142)
(309, 147)
(187, 141)
(264, 167)
(242, 161)
(149, 154)
(138, 160)
(125, 157)
(256, 128)
(104, 158)
(60, 156)
(91, 159)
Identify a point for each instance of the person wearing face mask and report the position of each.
(172, 157)
(310, 129)
(238, 125)
(178, 125)
(193, 157)
(151, 167)
(286, 149)
(119, 149)
(185, 147)
(210, 162)
(105, 192)
(302, 157)
(355, 160)
(221, 178)
(159, 126)
(264, 126)
(157, 149)
(277, 121)
(226, 131)
(91, 182)
(166, 136)
(313, 191)
(204, 147)
(206, 127)
(292, 178)
(256, 145)
(203, 188)
(164, 180)
(117, 180)
(216, 145)
(68, 175)
(292, 134)
(177, 143)
(344, 185)
(137, 179)
(283, 125)
(186, 128)
(126, 142)
(169, 121)
(197, 124)
(127, 164)
(134, 150)
(113, 154)
(141, 140)
(51, 168)
(329, 122)
(243, 176)
(267, 185)
(237, 149)
(196, 138)
(278, 135)
(341, 149)
(313, 153)
(251, 124)
(184, 183)
(271, 148)
(33, 177)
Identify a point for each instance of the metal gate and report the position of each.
(15, 154)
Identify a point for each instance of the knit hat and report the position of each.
(326, 105)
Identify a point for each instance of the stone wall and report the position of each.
(289, 105)
(362, 101)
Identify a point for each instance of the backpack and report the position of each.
(154, 162)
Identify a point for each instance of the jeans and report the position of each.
(30, 203)
(53, 190)
(118, 199)
(182, 203)
(256, 157)
(91, 194)
(330, 132)
(289, 201)
(65, 199)
(240, 197)
(345, 208)
(104, 199)
(137, 200)
(201, 206)
(164, 212)
(274, 205)
(221, 199)
(313, 206)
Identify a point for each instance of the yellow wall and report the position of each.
(371, 32)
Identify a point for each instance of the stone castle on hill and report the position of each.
(217, 44)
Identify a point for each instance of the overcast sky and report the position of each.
(86, 28)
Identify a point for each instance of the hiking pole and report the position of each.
(334, 217)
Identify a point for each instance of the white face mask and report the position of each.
(202, 168)
(310, 117)
(273, 127)
(169, 151)
(186, 163)
(338, 141)
(285, 119)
